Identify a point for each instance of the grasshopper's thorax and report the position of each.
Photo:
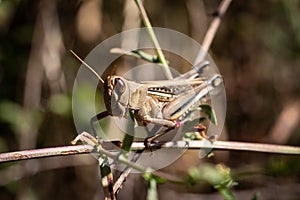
(121, 95)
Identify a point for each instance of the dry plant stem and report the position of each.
(211, 32)
(122, 159)
(224, 145)
(83, 149)
(121, 180)
(263, 148)
(46, 152)
(151, 33)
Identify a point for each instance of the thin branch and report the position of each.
(211, 32)
(46, 152)
(122, 178)
(219, 145)
(223, 145)
(138, 146)
(91, 140)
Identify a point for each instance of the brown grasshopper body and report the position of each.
(163, 102)
(159, 102)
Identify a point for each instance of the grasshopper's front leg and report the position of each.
(151, 112)
(158, 121)
(97, 118)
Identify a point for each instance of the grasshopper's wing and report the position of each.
(167, 90)
(173, 83)
(174, 86)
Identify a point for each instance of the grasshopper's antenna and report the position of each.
(89, 67)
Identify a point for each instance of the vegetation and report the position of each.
(256, 50)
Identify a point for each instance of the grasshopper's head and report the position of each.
(116, 95)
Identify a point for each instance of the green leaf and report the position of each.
(128, 139)
(226, 193)
(20, 120)
(104, 170)
(146, 56)
(207, 109)
(138, 54)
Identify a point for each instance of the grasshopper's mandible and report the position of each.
(163, 102)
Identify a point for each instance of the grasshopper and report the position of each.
(164, 102)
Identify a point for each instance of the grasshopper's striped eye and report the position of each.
(120, 86)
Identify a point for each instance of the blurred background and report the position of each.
(257, 50)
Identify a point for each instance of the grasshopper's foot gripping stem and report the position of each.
(149, 142)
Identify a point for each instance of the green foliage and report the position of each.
(61, 105)
(138, 54)
(280, 166)
(152, 185)
(218, 176)
(104, 169)
(204, 108)
(188, 136)
(207, 109)
(148, 176)
(19, 119)
(86, 104)
(146, 56)
(291, 9)
(7, 9)
(193, 121)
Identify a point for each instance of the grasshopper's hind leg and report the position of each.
(149, 140)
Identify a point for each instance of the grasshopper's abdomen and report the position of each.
(179, 106)
(184, 102)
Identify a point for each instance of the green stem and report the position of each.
(226, 193)
(151, 33)
(152, 190)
